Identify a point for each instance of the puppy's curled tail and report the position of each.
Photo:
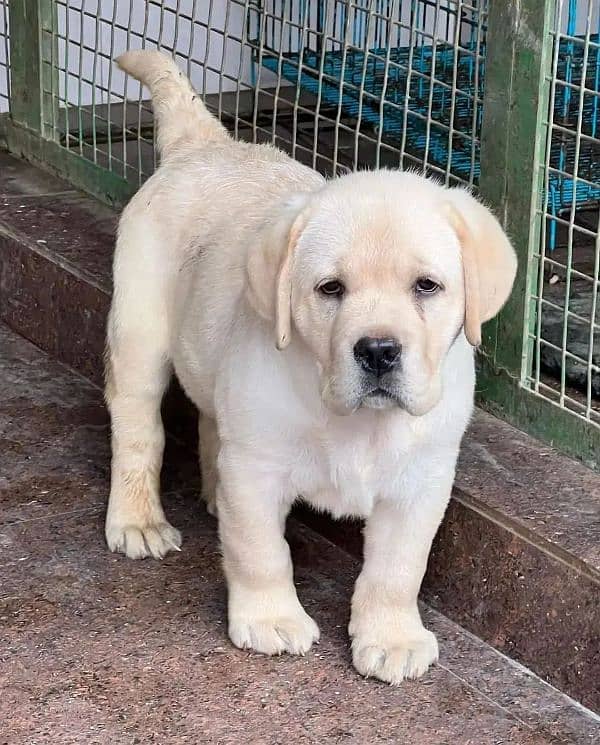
(180, 115)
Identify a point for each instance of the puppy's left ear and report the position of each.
(270, 266)
(489, 260)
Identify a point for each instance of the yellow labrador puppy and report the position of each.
(326, 330)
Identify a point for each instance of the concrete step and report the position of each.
(97, 648)
(517, 560)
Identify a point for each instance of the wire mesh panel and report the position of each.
(403, 83)
(377, 82)
(565, 335)
(342, 84)
(98, 113)
(336, 82)
(4, 58)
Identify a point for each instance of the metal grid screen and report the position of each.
(337, 83)
(377, 82)
(100, 114)
(565, 334)
(341, 84)
(4, 58)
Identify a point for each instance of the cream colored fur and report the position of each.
(217, 266)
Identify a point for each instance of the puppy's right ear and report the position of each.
(488, 258)
(270, 265)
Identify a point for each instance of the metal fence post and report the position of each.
(28, 73)
(512, 143)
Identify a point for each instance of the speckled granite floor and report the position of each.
(95, 648)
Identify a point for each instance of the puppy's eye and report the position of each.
(332, 288)
(426, 286)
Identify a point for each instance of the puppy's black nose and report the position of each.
(376, 355)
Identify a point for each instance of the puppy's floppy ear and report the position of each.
(489, 260)
(270, 265)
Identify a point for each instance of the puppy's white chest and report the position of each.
(346, 489)
(342, 473)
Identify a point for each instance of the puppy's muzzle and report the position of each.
(377, 356)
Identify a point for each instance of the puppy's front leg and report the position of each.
(264, 611)
(389, 641)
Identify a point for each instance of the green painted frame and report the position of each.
(512, 146)
(28, 131)
(81, 173)
(513, 142)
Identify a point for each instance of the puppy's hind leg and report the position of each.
(137, 373)
(208, 438)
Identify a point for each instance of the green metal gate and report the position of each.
(500, 95)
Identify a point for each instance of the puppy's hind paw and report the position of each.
(211, 506)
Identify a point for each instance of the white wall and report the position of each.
(175, 32)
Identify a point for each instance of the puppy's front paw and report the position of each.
(392, 652)
(291, 630)
(142, 541)
(394, 662)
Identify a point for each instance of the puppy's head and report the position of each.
(378, 273)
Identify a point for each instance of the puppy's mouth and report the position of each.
(380, 398)
(380, 392)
